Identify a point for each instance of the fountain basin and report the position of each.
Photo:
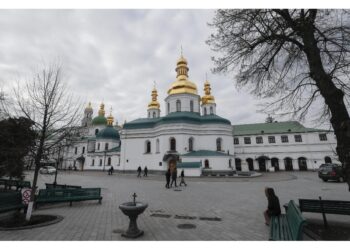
(133, 210)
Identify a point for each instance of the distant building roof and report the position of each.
(188, 164)
(176, 117)
(272, 128)
(205, 153)
(108, 133)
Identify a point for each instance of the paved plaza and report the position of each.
(238, 202)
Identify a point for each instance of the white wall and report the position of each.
(185, 102)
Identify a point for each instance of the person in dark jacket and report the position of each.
(273, 207)
(167, 177)
(145, 171)
(139, 171)
(182, 178)
(173, 177)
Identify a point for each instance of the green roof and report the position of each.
(188, 165)
(99, 120)
(205, 153)
(108, 133)
(115, 149)
(176, 117)
(272, 128)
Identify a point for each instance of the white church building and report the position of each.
(193, 137)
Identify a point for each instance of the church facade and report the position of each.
(193, 137)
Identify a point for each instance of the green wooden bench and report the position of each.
(325, 207)
(68, 195)
(287, 226)
(60, 186)
(11, 201)
(8, 184)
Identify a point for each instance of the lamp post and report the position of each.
(104, 160)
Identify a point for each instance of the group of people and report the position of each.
(173, 176)
(139, 170)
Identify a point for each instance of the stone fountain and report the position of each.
(133, 209)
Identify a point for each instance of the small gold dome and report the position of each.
(89, 107)
(207, 98)
(101, 112)
(110, 119)
(154, 104)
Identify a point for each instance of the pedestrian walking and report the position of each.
(139, 171)
(145, 171)
(173, 177)
(182, 178)
(112, 170)
(109, 171)
(167, 177)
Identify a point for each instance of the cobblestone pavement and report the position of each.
(238, 202)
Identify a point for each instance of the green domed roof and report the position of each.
(99, 120)
(108, 133)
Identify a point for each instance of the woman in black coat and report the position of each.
(273, 207)
(167, 176)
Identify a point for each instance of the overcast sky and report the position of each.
(115, 56)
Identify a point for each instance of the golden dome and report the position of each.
(110, 119)
(154, 104)
(207, 98)
(101, 112)
(182, 84)
(89, 107)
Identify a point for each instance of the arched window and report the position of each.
(168, 108)
(109, 161)
(206, 163)
(205, 111)
(157, 145)
(230, 163)
(148, 147)
(211, 110)
(218, 144)
(327, 159)
(98, 146)
(190, 144)
(100, 162)
(178, 106)
(191, 106)
(93, 162)
(106, 146)
(154, 114)
(250, 164)
(172, 144)
(238, 164)
(149, 114)
(96, 131)
(288, 164)
(302, 164)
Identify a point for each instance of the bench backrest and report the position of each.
(60, 186)
(10, 198)
(295, 220)
(326, 206)
(62, 193)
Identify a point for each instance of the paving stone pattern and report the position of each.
(238, 203)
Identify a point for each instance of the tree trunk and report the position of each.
(333, 97)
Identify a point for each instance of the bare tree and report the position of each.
(296, 58)
(44, 99)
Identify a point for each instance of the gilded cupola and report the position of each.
(207, 98)
(154, 104)
(89, 107)
(110, 119)
(101, 111)
(182, 85)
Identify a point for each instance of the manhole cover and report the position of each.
(186, 226)
(161, 215)
(210, 218)
(185, 217)
(177, 190)
(118, 231)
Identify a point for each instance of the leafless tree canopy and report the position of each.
(267, 50)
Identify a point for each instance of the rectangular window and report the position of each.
(272, 139)
(235, 141)
(284, 138)
(106, 146)
(83, 150)
(259, 140)
(247, 140)
(75, 150)
(298, 138)
(323, 137)
(93, 162)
